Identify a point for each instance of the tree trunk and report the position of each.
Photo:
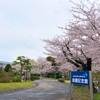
(88, 64)
(26, 76)
(21, 74)
(88, 68)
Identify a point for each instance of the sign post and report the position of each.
(70, 88)
(91, 86)
(83, 78)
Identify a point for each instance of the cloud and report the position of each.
(14, 53)
(23, 23)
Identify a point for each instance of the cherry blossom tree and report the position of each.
(44, 65)
(79, 45)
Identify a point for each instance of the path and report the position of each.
(44, 90)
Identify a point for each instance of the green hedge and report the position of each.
(35, 78)
(52, 75)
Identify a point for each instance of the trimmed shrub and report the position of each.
(16, 77)
(35, 78)
(61, 80)
(5, 77)
(52, 75)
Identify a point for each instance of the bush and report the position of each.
(5, 80)
(16, 77)
(35, 78)
(58, 76)
(52, 75)
(6, 77)
(61, 80)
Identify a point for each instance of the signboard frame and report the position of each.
(80, 78)
(88, 76)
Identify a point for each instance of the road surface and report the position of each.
(44, 90)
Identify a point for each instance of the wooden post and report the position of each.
(91, 86)
(70, 88)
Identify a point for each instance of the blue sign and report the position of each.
(80, 78)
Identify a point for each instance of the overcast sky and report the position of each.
(23, 23)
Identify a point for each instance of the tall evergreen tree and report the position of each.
(7, 68)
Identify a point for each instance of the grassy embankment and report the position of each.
(15, 85)
(83, 93)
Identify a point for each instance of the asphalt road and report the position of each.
(44, 90)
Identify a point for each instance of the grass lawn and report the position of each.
(67, 81)
(97, 96)
(83, 93)
(15, 85)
